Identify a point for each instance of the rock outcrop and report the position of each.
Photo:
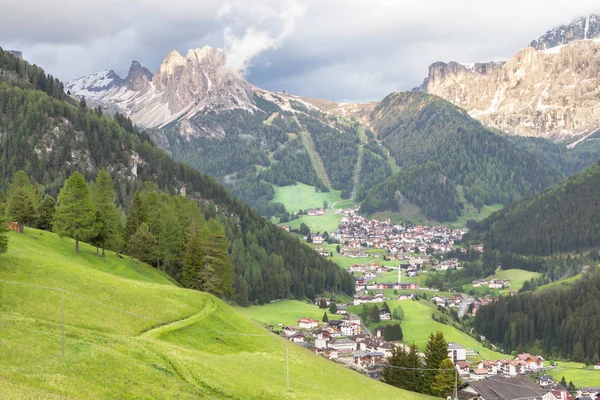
(553, 93)
(180, 89)
(581, 29)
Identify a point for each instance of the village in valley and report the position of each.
(397, 256)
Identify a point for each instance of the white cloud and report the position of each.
(336, 49)
(258, 36)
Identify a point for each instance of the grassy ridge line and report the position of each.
(110, 354)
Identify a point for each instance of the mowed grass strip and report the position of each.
(166, 343)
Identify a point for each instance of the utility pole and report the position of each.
(287, 363)
(455, 384)
(63, 322)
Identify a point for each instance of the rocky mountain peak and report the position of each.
(138, 76)
(580, 29)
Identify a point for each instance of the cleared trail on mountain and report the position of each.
(357, 168)
(315, 158)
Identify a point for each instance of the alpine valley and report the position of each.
(458, 124)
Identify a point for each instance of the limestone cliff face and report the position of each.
(553, 93)
(180, 89)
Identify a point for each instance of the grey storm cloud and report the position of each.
(346, 50)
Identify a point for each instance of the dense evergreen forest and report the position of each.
(374, 170)
(564, 218)
(417, 128)
(291, 164)
(426, 186)
(50, 139)
(559, 322)
(338, 147)
(569, 161)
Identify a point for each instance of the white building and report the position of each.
(457, 352)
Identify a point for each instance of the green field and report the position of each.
(562, 282)
(285, 312)
(472, 213)
(132, 335)
(301, 197)
(323, 223)
(517, 277)
(418, 324)
(576, 372)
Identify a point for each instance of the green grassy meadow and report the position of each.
(322, 223)
(576, 372)
(286, 312)
(131, 335)
(301, 197)
(517, 277)
(417, 325)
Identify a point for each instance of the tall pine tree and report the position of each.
(142, 245)
(75, 215)
(21, 207)
(135, 217)
(435, 353)
(107, 215)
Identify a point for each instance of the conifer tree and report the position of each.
(392, 372)
(108, 219)
(443, 383)
(142, 245)
(21, 206)
(413, 377)
(46, 212)
(325, 318)
(436, 352)
(333, 308)
(3, 236)
(170, 237)
(374, 314)
(135, 216)
(75, 215)
(322, 303)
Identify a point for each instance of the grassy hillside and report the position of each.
(301, 197)
(517, 277)
(418, 324)
(136, 335)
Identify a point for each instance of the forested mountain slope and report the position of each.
(564, 218)
(558, 322)
(418, 128)
(49, 139)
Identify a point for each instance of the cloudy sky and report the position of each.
(345, 50)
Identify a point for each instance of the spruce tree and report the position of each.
(325, 318)
(413, 377)
(170, 237)
(3, 236)
(21, 207)
(392, 373)
(333, 308)
(74, 215)
(374, 314)
(135, 216)
(436, 352)
(142, 245)
(107, 215)
(46, 212)
(443, 383)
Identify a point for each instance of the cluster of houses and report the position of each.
(523, 364)
(492, 283)
(360, 232)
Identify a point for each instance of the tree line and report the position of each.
(430, 373)
(565, 218)
(558, 322)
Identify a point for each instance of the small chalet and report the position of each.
(597, 365)
(384, 315)
(341, 309)
(308, 323)
(366, 359)
(379, 331)
(298, 338)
